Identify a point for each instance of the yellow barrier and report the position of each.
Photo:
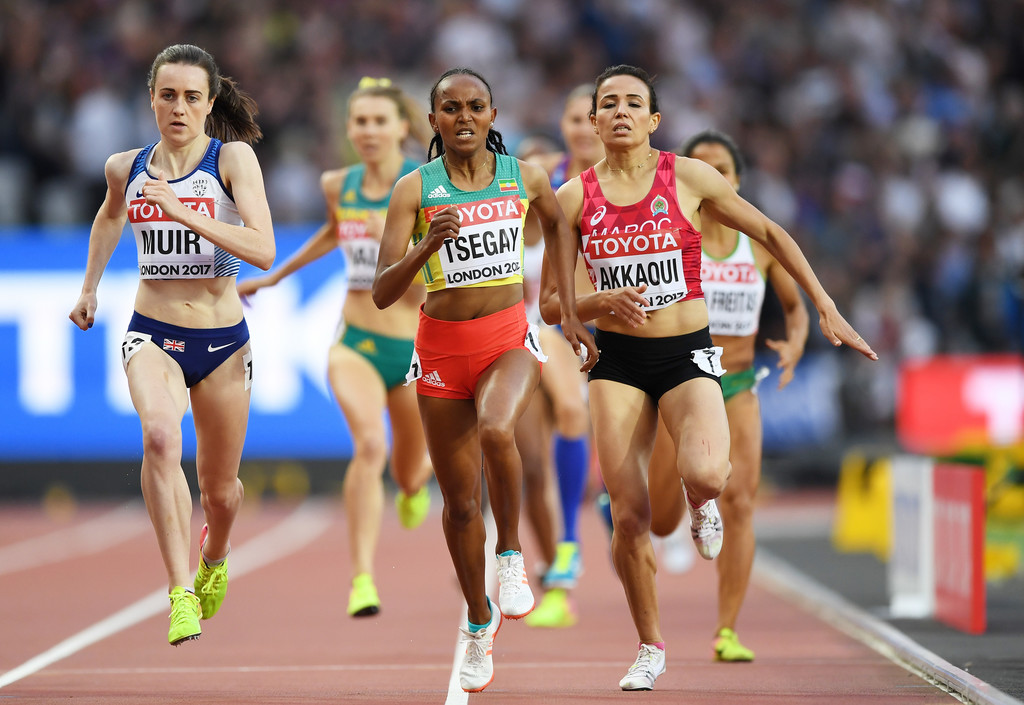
(863, 520)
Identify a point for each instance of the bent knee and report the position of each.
(460, 513)
(708, 480)
(222, 495)
(161, 440)
(632, 521)
(572, 420)
(495, 438)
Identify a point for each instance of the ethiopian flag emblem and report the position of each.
(507, 185)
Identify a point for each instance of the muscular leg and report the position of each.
(624, 421)
(561, 381)
(502, 394)
(737, 507)
(220, 408)
(668, 505)
(695, 416)
(410, 464)
(159, 394)
(450, 426)
(360, 393)
(533, 438)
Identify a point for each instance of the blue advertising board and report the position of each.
(64, 397)
(63, 393)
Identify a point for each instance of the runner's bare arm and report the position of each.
(104, 236)
(721, 201)
(397, 263)
(625, 302)
(560, 253)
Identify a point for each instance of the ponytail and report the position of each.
(233, 115)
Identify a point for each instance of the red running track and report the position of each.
(83, 620)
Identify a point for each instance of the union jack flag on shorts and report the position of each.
(174, 345)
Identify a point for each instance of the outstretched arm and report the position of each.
(721, 201)
(323, 241)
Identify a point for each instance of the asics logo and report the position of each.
(433, 379)
(210, 348)
(598, 216)
(439, 192)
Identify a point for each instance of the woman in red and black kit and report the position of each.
(637, 215)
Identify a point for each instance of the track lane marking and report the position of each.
(89, 537)
(456, 695)
(307, 522)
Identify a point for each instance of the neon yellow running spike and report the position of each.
(211, 584)
(555, 611)
(413, 509)
(185, 611)
(729, 648)
(363, 600)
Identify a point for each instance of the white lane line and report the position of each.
(346, 667)
(87, 538)
(804, 591)
(456, 695)
(307, 522)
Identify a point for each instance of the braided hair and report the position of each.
(494, 140)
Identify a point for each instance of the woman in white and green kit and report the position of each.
(734, 271)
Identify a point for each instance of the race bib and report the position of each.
(168, 250)
(489, 243)
(532, 343)
(709, 360)
(635, 258)
(361, 258)
(415, 369)
(133, 342)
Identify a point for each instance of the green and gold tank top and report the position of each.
(488, 250)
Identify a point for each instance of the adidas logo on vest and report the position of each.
(433, 379)
(439, 192)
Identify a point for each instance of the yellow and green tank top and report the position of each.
(353, 210)
(489, 248)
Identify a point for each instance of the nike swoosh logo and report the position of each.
(138, 194)
(210, 348)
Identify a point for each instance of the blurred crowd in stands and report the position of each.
(886, 135)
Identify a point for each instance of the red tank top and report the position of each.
(650, 242)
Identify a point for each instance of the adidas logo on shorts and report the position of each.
(439, 192)
(433, 379)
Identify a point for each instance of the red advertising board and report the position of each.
(948, 404)
(960, 546)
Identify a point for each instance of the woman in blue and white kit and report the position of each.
(197, 205)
